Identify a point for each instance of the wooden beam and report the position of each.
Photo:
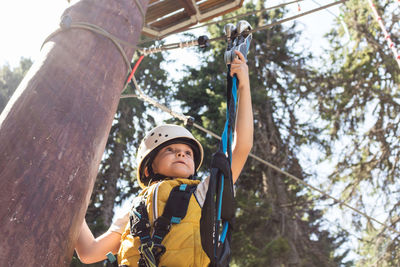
(208, 10)
(161, 9)
(211, 5)
(54, 130)
(188, 5)
(170, 21)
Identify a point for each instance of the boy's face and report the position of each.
(175, 161)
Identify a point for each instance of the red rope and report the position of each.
(134, 68)
(387, 35)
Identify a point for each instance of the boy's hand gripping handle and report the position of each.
(238, 38)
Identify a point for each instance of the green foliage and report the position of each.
(378, 249)
(10, 79)
(358, 97)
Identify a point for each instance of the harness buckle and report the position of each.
(162, 224)
(139, 221)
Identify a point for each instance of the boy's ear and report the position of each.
(146, 172)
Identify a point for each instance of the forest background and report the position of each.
(326, 111)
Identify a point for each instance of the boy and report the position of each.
(169, 156)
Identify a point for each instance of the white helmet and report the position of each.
(160, 137)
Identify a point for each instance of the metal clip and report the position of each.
(203, 41)
(238, 38)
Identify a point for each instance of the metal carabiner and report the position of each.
(238, 38)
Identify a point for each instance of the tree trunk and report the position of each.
(54, 130)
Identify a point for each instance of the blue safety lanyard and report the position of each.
(226, 142)
(218, 210)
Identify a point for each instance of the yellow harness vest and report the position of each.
(182, 243)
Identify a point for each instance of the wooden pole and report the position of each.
(54, 130)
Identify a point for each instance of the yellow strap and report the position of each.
(147, 253)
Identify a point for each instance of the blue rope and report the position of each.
(227, 149)
(220, 199)
(224, 232)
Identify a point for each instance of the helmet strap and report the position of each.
(153, 177)
(158, 177)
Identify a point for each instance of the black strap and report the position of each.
(139, 221)
(220, 183)
(209, 228)
(221, 163)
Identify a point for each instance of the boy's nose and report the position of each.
(180, 153)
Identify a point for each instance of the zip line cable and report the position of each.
(383, 28)
(157, 49)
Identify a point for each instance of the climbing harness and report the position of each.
(175, 210)
(218, 209)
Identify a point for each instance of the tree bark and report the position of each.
(53, 133)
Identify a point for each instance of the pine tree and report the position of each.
(277, 223)
(358, 97)
(10, 79)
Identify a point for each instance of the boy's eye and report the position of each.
(168, 149)
(189, 153)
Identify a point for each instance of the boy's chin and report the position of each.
(176, 176)
(181, 176)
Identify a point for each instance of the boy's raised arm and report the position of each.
(243, 141)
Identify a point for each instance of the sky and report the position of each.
(24, 25)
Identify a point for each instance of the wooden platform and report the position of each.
(164, 17)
